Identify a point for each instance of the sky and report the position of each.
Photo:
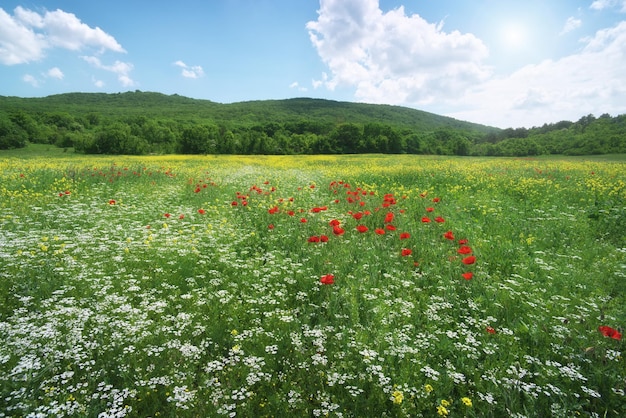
(503, 63)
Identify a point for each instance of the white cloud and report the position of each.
(296, 85)
(119, 68)
(591, 81)
(25, 36)
(187, 71)
(392, 57)
(607, 4)
(55, 72)
(571, 24)
(27, 78)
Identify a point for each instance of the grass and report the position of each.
(223, 286)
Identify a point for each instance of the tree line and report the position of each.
(136, 134)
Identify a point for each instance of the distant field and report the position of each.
(354, 286)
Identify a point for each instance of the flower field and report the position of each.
(349, 286)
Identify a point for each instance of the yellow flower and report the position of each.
(466, 401)
(442, 411)
(397, 397)
(445, 403)
(428, 388)
(234, 332)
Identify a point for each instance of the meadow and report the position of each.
(341, 286)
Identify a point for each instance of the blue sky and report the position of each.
(503, 63)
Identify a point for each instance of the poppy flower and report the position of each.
(303, 220)
(327, 279)
(490, 330)
(112, 202)
(337, 230)
(270, 226)
(379, 231)
(406, 252)
(234, 203)
(314, 238)
(468, 275)
(201, 211)
(464, 250)
(430, 209)
(273, 210)
(181, 216)
(291, 213)
(389, 217)
(436, 199)
(610, 332)
(390, 227)
(361, 228)
(425, 219)
(323, 238)
(449, 235)
(463, 241)
(167, 215)
(439, 219)
(334, 222)
(357, 216)
(469, 260)
(405, 235)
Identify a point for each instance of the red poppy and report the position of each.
(323, 238)
(357, 216)
(435, 200)
(314, 238)
(468, 275)
(389, 217)
(291, 213)
(181, 216)
(469, 260)
(273, 210)
(201, 211)
(167, 215)
(334, 222)
(439, 219)
(270, 226)
(362, 228)
(390, 227)
(303, 220)
(337, 230)
(463, 241)
(430, 209)
(490, 330)
(449, 235)
(405, 235)
(327, 279)
(464, 250)
(425, 219)
(112, 202)
(406, 252)
(610, 332)
(234, 203)
(380, 231)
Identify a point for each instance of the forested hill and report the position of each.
(150, 104)
(145, 122)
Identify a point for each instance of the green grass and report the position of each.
(136, 287)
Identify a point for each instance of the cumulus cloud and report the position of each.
(571, 24)
(25, 36)
(55, 72)
(119, 68)
(194, 71)
(27, 78)
(393, 57)
(297, 86)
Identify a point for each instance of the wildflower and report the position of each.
(112, 202)
(439, 219)
(436, 199)
(406, 252)
(234, 203)
(490, 330)
(397, 397)
(445, 403)
(337, 230)
(327, 279)
(464, 249)
(469, 260)
(463, 241)
(449, 235)
(167, 215)
(334, 222)
(303, 220)
(270, 226)
(468, 275)
(379, 231)
(425, 219)
(405, 235)
(430, 209)
(323, 238)
(361, 228)
(610, 332)
(442, 411)
(273, 210)
(428, 388)
(201, 211)
(466, 401)
(389, 217)
(181, 216)
(390, 227)
(357, 215)
(314, 239)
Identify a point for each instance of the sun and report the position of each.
(513, 35)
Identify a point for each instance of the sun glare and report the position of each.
(513, 35)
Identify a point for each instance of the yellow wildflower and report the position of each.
(397, 397)
(466, 401)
